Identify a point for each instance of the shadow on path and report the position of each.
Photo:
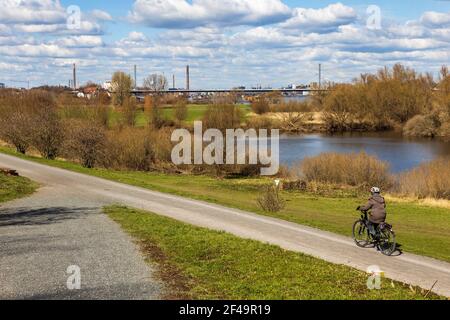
(44, 216)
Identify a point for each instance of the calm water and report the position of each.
(403, 154)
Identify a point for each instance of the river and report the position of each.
(402, 154)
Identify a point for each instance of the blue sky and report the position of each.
(226, 42)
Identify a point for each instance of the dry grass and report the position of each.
(427, 202)
(355, 169)
(421, 126)
(292, 106)
(430, 180)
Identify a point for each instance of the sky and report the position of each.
(227, 43)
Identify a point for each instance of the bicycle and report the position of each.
(384, 240)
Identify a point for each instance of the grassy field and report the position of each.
(198, 263)
(15, 187)
(420, 229)
(195, 112)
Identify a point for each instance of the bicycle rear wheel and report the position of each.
(387, 243)
(361, 234)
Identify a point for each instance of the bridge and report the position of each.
(241, 91)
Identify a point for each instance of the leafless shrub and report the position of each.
(430, 180)
(129, 149)
(47, 132)
(129, 111)
(261, 106)
(222, 116)
(356, 169)
(421, 126)
(339, 108)
(444, 130)
(16, 125)
(181, 111)
(160, 144)
(85, 142)
(271, 200)
(293, 121)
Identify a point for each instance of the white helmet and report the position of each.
(375, 190)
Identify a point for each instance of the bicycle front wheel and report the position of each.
(361, 234)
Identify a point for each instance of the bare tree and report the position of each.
(121, 87)
(156, 83)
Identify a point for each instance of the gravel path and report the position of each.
(90, 191)
(41, 236)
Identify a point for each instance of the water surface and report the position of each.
(402, 154)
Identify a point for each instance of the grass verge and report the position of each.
(195, 112)
(198, 263)
(420, 229)
(15, 187)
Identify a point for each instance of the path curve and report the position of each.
(407, 268)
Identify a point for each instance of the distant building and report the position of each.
(2, 86)
(107, 85)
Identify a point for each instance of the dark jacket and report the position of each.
(377, 205)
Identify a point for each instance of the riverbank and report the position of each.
(198, 263)
(421, 228)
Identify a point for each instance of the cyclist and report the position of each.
(377, 205)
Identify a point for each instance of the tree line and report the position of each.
(397, 98)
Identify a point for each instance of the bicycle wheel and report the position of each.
(361, 234)
(387, 243)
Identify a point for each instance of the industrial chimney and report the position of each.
(135, 76)
(188, 86)
(74, 76)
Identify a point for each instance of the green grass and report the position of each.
(203, 264)
(15, 187)
(195, 113)
(420, 229)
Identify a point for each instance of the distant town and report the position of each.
(90, 89)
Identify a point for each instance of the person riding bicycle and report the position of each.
(377, 205)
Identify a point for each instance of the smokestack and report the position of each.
(188, 85)
(173, 81)
(74, 76)
(135, 76)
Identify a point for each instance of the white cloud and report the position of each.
(435, 19)
(46, 16)
(137, 36)
(182, 14)
(101, 15)
(321, 20)
(80, 42)
(8, 67)
(35, 50)
(31, 11)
